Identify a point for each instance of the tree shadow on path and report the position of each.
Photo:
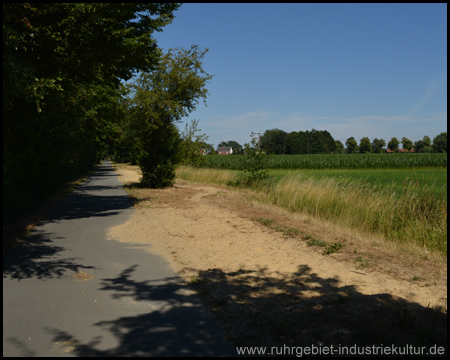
(176, 324)
(258, 308)
(40, 254)
(37, 258)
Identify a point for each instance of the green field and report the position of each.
(333, 161)
(432, 179)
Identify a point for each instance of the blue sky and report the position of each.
(361, 70)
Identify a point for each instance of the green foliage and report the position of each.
(365, 146)
(192, 144)
(274, 141)
(332, 248)
(352, 145)
(163, 96)
(393, 144)
(286, 231)
(329, 248)
(378, 145)
(440, 143)
(407, 144)
(339, 147)
(333, 161)
(254, 163)
(159, 155)
(304, 142)
(62, 66)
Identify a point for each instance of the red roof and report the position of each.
(399, 150)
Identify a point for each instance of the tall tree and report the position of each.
(393, 144)
(440, 142)
(309, 142)
(162, 97)
(294, 143)
(62, 66)
(426, 140)
(339, 147)
(274, 141)
(407, 144)
(352, 145)
(420, 145)
(378, 145)
(365, 146)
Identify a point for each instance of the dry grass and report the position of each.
(210, 176)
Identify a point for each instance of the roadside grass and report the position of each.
(401, 213)
(211, 176)
(294, 232)
(421, 179)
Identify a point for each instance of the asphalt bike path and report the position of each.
(70, 290)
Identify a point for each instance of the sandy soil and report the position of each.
(246, 270)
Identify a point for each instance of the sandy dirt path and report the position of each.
(211, 238)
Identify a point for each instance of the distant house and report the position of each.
(399, 150)
(224, 151)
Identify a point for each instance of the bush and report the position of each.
(255, 164)
(159, 156)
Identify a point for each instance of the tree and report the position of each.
(339, 147)
(328, 142)
(230, 143)
(310, 142)
(365, 146)
(426, 140)
(407, 144)
(255, 163)
(191, 145)
(62, 67)
(440, 142)
(274, 141)
(421, 144)
(294, 143)
(378, 145)
(162, 97)
(393, 144)
(352, 145)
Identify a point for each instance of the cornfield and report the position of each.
(333, 161)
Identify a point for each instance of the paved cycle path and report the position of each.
(72, 291)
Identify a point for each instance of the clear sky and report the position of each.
(361, 70)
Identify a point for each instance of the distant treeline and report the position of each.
(279, 142)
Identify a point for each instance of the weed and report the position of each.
(362, 262)
(316, 242)
(332, 248)
(329, 248)
(265, 222)
(291, 231)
